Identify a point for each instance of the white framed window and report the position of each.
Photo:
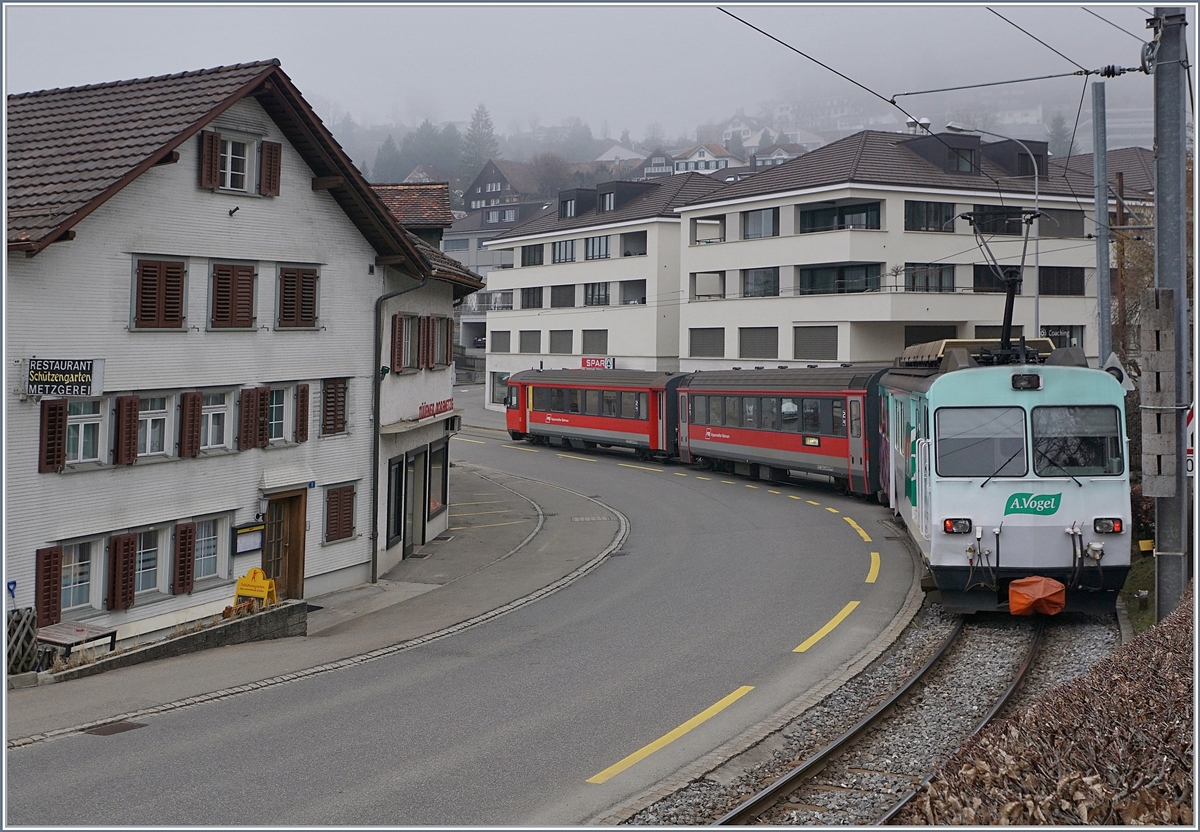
(214, 416)
(77, 575)
(206, 549)
(607, 201)
(493, 216)
(442, 355)
(510, 214)
(564, 251)
(84, 421)
(152, 426)
(146, 564)
(237, 165)
(275, 413)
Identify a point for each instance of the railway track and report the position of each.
(867, 774)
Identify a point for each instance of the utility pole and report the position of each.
(1122, 326)
(1100, 181)
(1172, 565)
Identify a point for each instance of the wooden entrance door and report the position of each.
(283, 544)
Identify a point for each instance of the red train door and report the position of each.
(858, 446)
(685, 453)
(660, 417)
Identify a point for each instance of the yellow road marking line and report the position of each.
(680, 474)
(580, 458)
(666, 739)
(519, 448)
(834, 510)
(793, 496)
(874, 573)
(461, 439)
(828, 628)
(477, 513)
(769, 491)
(810, 502)
(752, 486)
(727, 482)
(706, 479)
(486, 525)
(640, 467)
(859, 529)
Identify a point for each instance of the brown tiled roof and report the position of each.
(873, 157)
(448, 269)
(661, 199)
(71, 149)
(1136, 163)
(418, 205)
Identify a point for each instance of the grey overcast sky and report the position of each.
(626, 66)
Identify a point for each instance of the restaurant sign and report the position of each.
(65, 377)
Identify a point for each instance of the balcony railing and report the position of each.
(481, 302)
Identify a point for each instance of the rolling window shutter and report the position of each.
(397, 343)
(248, 419)
(48, 586)
(190, 410)
(52, 453)
(289, 280)
(308, 298)
(122, 566)
(263, 423)
(210, 159)
(302, 412)
(272, 157)
(183, 575)
(125, 434)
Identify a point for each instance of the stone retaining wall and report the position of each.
(289, 618)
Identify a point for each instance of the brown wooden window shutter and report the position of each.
(302, 412)
(158, 301)
(264, 417)
(48, 586)
(432, 336)
(191, 407)
(397, 362)
(125, 433)
(248, 419)
(272, 158)
(333, 406)
(339, 513)
(297, 297)
(449, 341)
(233, 296)
(183, 575)
(52, 453)
(424, 359)
(122, 571)
(210, 159)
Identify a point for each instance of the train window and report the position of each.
(558, 400)
(628, 404)
(643, 407)
(513, 397)
(733, 411)
(980, 442)
(611, 403)
(573, 401)
(810, 415)
(541, 398)
(591, 402)
(716, 415)
(749, 412)
(839, 418)
(769, 414)
(699, 410)
(789, 412)
(1077, 441)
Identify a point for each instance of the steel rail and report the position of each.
(1000, 703)
(759, 803)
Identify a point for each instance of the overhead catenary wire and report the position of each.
(1115, 26)
(1039, 40)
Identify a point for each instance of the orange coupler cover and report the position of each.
(1036, 594)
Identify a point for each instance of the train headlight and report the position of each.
(1026, 381)
(1108, 525)
(956, 525)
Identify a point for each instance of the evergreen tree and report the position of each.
(625, 140)
(388, 163)
(1061, 143)
(479, 145)
(735, 146)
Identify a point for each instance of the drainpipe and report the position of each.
(377, 382)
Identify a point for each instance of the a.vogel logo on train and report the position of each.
(1043, 504)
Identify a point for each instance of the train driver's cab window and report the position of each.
(514, 397)
(980, 442)
(541, 398)
(699, 410)
(1077, 441)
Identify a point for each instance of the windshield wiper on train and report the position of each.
(1002, 464)
(1038, 450)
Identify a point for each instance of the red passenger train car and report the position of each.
(590, 408)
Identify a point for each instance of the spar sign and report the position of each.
(1043, 504)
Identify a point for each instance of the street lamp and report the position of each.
(955, 127)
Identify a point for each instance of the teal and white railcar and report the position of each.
(1009, 471)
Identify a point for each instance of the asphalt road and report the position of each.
(506, 723)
